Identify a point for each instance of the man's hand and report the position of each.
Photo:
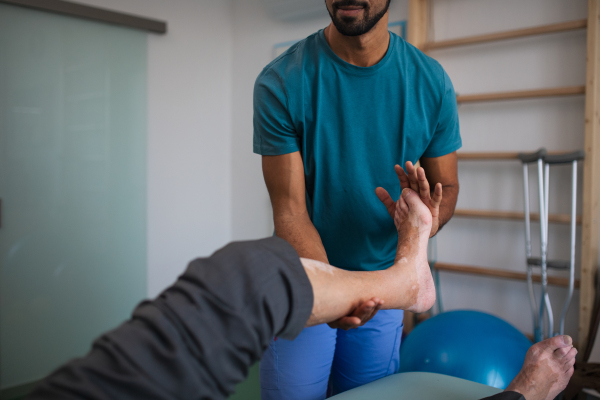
(360, 316)
(415, 179)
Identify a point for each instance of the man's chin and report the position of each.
(349, 24)
(350, 28)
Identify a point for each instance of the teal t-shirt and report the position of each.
(352, 125)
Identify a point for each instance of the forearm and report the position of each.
(299, 231)
(284, 177)
(448, 204)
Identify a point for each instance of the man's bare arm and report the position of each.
(443, 170)
(284, 176)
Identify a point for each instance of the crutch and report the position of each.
(550, 160)
(538, 316)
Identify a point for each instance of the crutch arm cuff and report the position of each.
(565, 158)
(527, 158)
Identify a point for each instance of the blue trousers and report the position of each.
(302, 369)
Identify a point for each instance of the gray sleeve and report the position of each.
(199, 337)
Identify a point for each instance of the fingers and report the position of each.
(367, 317)
(345, 323)
(423, 184)
(402, 177)
(416, 179)
(436, 199)
(413, 179)
(360, 316)
(365, 309)
(386, 199)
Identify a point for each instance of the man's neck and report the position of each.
(365, 50)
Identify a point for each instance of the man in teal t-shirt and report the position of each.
(333, 115)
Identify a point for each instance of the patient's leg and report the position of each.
(198, 338)
(406, 285)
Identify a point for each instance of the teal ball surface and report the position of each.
(466, 344)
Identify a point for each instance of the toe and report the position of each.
(557, 342)
(415, 204)
(401, 205)
(409, 195)
(561, 352)
(569, 364)
(401, 212)
(571, 354)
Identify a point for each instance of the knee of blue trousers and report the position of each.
(367, 353)
(298, 369)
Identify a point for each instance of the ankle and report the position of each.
(400, 260)
(405, 250)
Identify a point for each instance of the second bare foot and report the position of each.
(547, 369)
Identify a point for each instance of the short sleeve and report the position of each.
(274, 132)
(446, 138)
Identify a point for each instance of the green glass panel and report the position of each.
(72, 184)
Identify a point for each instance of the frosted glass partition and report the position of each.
(72, 184)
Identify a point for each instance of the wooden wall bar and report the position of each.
(512, 34)
(501, 273)
(418, 23)
(591, 176)
(521, 94)
(512, 215)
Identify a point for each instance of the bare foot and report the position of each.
(547, 369)
(413, 222)
(406, 285)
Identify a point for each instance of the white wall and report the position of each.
(189, 131)
(546, 61)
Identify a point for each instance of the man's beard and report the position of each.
(350, 26)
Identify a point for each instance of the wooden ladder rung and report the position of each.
(484, 156)
(513, 215)
(512, 34)
(497, 155)
(521, 94)
(499, 273)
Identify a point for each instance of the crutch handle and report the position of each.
(565, 158)
(527, 158)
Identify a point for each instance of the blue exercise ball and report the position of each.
(466, 344)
